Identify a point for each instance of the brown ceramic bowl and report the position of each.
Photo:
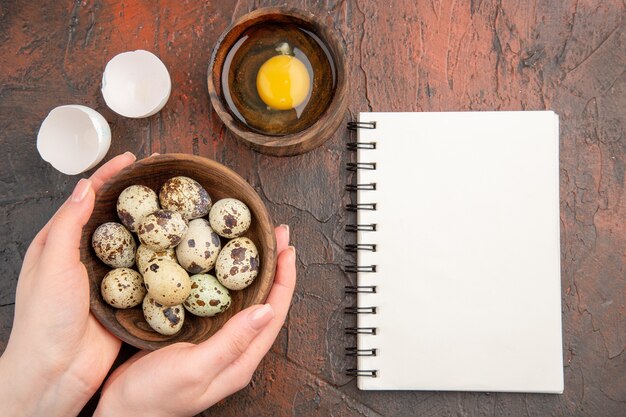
(331, 115)
(129, 325)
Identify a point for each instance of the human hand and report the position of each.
(184, 379)
(58, 353)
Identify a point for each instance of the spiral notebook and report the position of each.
(458, 258)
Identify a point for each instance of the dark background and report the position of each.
(567, 56)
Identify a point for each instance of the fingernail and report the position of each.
(286, 227)
(81, 190)
(132, 155)
(261, 316)
(155, 154)
(293, 251)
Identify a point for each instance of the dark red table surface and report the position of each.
(567, 56)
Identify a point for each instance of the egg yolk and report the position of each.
(283, 82)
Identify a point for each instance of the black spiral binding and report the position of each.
(360, 246)
(361, 372)
(361, 227)
(361, 125)
(353, 146)
(355, 289)
(361, 206)
(354, 351)
(361, 187)
(361, 330)
(360, 268)
(355, 166)
(360, 310)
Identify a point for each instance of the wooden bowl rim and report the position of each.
(318, 132)
(269, 253)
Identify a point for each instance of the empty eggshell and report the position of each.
(237, 264)
(114, 245)
(167, 282)
(207, 297)
(167, 320)
(135, 203)
(122, 288)
(73, 138)
(145, 255)
(230, 217)
(136, 84)
(162, 229)
(186, 196)
(198, 250)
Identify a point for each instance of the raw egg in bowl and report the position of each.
(277, 80)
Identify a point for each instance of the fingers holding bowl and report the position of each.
(238, 374)
(103, 174)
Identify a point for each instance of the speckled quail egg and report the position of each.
(167, 282)
(114, 245)
(135, 203)
(162, 229)
(145, 255)
(122, 288)
(198, 250)
(237, 264)
(167, 320)
(186, 196)
(230, 217)
(207, 297)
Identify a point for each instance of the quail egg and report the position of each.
(145, 255)
(186, 196)
(167, 282)
(135, 203)
(199, 248)
(237, 264)
(162, 229)
(122, 288)
(114, 245)
(230, 217)
(167, 320)
(207, 297)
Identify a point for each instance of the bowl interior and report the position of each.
(331, 116)
(129, 325)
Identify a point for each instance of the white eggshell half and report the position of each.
(73, 138)
(136, 84)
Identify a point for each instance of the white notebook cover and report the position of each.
(467, 252)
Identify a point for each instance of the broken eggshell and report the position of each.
(73, 138)
(136, 84)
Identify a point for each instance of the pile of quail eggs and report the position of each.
(178, 248)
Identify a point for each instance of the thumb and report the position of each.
(62, 246)
(232, 340)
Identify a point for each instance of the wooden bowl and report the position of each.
(129, 325)
(291, 144)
